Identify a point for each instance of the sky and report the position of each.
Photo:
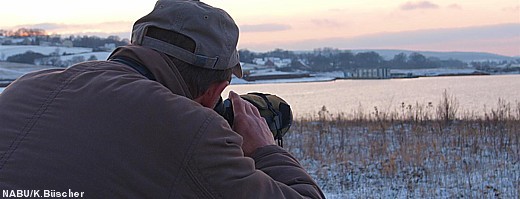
(434, 25)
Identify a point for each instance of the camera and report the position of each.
(276, 112)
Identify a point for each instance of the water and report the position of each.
(473, 93)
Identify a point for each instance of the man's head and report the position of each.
(201, 40)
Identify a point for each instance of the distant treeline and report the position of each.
(327, 59)
(23, 32)
(96, 42)
(40, 37)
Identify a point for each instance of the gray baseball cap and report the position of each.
(213, 30)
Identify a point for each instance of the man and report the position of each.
(141, 124)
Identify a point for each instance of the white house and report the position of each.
(276, 61)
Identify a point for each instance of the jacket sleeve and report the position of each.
(219, 169)
(280, 165)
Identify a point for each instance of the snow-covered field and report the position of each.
(7, 51)
(410, 155)
(364, 160)
(11, 71)
(65, 53)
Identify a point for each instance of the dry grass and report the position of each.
(424, 151)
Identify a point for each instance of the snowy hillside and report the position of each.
(66, 53)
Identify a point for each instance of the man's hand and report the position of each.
(250, 125)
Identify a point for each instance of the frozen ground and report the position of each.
(381, 160)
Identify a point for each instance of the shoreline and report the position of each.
(236, 81)
(319, 78)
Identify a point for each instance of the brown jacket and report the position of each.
(104, 129)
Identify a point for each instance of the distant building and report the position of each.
(374, 73)
(272, 61)
(108, 47)
(259, 61)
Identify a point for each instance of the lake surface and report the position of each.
(473, 93)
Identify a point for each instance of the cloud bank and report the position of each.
(501, 39)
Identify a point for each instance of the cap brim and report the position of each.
(237, 70)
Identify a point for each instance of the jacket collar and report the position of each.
(162, 68)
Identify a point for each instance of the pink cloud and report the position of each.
(418, 5)
(326, 23)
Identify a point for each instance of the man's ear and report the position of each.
(212, 94)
